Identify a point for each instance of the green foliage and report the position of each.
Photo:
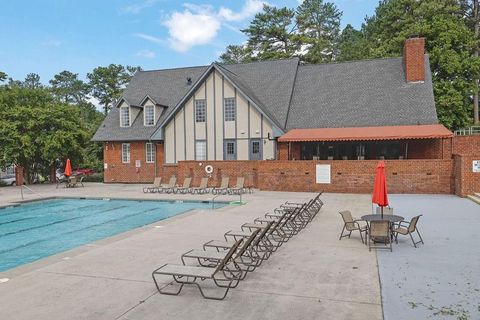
(95, 177)
(32, 81)
(237, 54)
(3, 76)
(271, 33)
(107, 83)
(68, 88)
(318, 30)
(36, 131)
(352, 45)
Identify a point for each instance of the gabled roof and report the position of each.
(292, 95)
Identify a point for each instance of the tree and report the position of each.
(36, 131)
(68, 88)
(351, 45)
(32, 81)
(237, 54)
(450, 45)
(107, 83)
(3, 76)
(318, 30)
(271, 33)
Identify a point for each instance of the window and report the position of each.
(149, 115)
(126, 152)
(200, 111)
(150, 152)
(124, 116)
(200, 150)
(229, 109)
(230, 150)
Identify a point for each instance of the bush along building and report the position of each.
(273, 122)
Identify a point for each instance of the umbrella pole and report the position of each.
(382, 211)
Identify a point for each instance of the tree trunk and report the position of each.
(475, 54)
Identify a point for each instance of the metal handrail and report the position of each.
(221, 194)
(473, 130)
(32, 191)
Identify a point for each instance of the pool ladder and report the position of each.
(32, 191)
(221, 194)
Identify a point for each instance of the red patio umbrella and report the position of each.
(68, 168)
(379, 195)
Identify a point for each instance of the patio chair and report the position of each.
(386, 210)
(239, 188)
(350, 224)
(71, 182)
(243, 257)
(223, 189)
(225, 275)
(202, 188)
(185, 188)
(379, 232)
(405, 227)
(157, 183)
(170, 186)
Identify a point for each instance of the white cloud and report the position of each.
(149, 37)
(187, 29)
(52, 43)
(136, 8)
(249, 9)
(199, 24)
(146, 54)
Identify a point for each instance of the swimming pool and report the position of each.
(32, 231)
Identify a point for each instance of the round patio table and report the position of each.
(377, 217)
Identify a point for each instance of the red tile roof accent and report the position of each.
(429, 131)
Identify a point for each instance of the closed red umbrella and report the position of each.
(68, 168)
(379, 195)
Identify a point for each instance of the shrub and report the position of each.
(95, 177)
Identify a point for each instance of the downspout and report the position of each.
(289, 150)
(155, 161)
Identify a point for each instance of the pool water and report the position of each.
(36, 230)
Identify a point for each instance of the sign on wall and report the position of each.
(323, 173)
(476, 165)
(138, 164)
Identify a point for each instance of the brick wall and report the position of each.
(282, 148)
(467, 182)
(126, 172)
(466, 145)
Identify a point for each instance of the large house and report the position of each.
(282, 109)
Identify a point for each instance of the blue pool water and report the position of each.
(36, 230)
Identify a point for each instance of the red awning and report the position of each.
(429, 131)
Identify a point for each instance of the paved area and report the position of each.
(441, 279)
(313, 276)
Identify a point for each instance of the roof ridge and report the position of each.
(178, 68)
(349, 61)
(258, 61)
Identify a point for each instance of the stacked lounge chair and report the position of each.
(226, 262)
(157, 183)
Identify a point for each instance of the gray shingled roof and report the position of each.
(360, 93)
(348, 94)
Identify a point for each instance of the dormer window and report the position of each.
(149, 115)
(125, 116)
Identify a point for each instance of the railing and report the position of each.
(226, 194)
(474, 130)
(32, 191)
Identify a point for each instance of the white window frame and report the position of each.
(203, 103)
(198, 155)
(145, 116)
(125, 152)
(122, 124)
(149, 154)
(225, 114)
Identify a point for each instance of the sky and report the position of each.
(49, 36)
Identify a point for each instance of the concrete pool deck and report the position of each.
(313, 276)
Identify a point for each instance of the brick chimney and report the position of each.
(413, 59)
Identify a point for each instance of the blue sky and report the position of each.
(48, 36)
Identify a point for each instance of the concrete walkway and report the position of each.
(441, 279)
(313, 276)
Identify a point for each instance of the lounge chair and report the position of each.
(350, 224)
(243, 257)
(225, 275)
(185, 188)
(239, 188)
(203, 188)
(223, 189)
(405, 227)
(157, 183)
(170, 186)
(379, 232)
